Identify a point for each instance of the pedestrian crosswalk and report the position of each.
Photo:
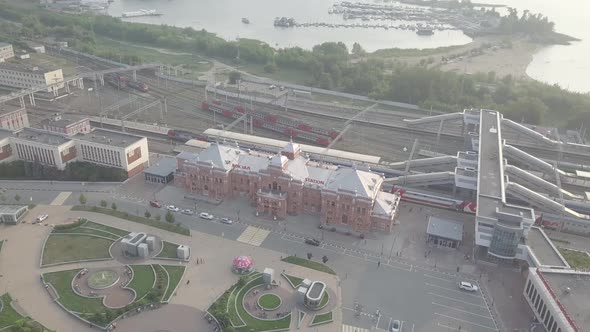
(61, 198)
(253, 236)
(350, 328)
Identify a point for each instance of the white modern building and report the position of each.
(559, 298)
(24, 77)
(99, 146)
(12, 214)
(6, 52)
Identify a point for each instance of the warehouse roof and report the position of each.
(109, 137)
(41, 136)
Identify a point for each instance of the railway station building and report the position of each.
(288, 183)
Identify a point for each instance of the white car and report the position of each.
(206, 215)
(272, 87)
(395, 326)
(42, 217)
(227, 221)
(188, 212)
(173, 208)
(468, 286)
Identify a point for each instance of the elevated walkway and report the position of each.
(426, 179)
(533, 181)
(434, 119)
(449, 162)
(539, 201)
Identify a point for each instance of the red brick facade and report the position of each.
(278, 192)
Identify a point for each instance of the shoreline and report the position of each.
(491, 53)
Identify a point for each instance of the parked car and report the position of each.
(271, 87)
(313, 242)
(227, 221)
(42, 217)
(188, 212)
(468, 286)
(206, 215)
(173, 208)
(282, 88)
(395, 326)
(155, 204)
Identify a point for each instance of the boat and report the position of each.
(141, 12)
(425, 32)
(245, 20)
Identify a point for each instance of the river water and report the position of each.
(568, 66)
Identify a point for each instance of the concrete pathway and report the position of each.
(209, 279)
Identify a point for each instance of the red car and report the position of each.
(155, 204)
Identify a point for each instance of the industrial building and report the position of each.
(13, 118)
(444, 233)
(24, 76)
(162, 171)
(287, 183)
(12, 214)
(66, 126)
(99, 146)
(6, 52)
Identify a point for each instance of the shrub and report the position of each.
(169, 217)
(82, 199)
(103, 203)
(114, 206)
(147, 214)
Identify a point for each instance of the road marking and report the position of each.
(449, 327)
(253, 236)
(350, 328)
(467, 312)
(466, 321)
(439, 278)
(454, 290)
(61, 198)
(453, 299)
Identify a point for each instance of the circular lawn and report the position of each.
(269, 302)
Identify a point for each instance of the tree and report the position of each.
(158, 217)
(169, 217)
(234, 77)
(325, 259)
(270, 67)
(114, 206)
(82, 199)
(309, 255)
(357, 50)
(17, 197)
(147, 214)
(103, 203)
(526, 109)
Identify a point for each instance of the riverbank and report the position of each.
(501, 55)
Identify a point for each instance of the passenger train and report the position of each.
(546, 220)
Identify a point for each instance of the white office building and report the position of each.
(6, 52)
(24, 77)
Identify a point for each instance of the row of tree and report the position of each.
(75, 171)
(332, 65)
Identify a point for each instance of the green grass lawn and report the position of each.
(576, 259)
(1, 243)
(89, 227)
(175, 273)
(175, 228)
(253, 323)
(269, 301)
(143, 280)
(322, 318)
(296, 281)
(231, 309)
(8, 316)
(68, 248)
(61, 281)
(308, 264)
(324, 300)
(161, 280)
(169, 250)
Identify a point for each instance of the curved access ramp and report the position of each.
(538, 137)
(434, 119)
